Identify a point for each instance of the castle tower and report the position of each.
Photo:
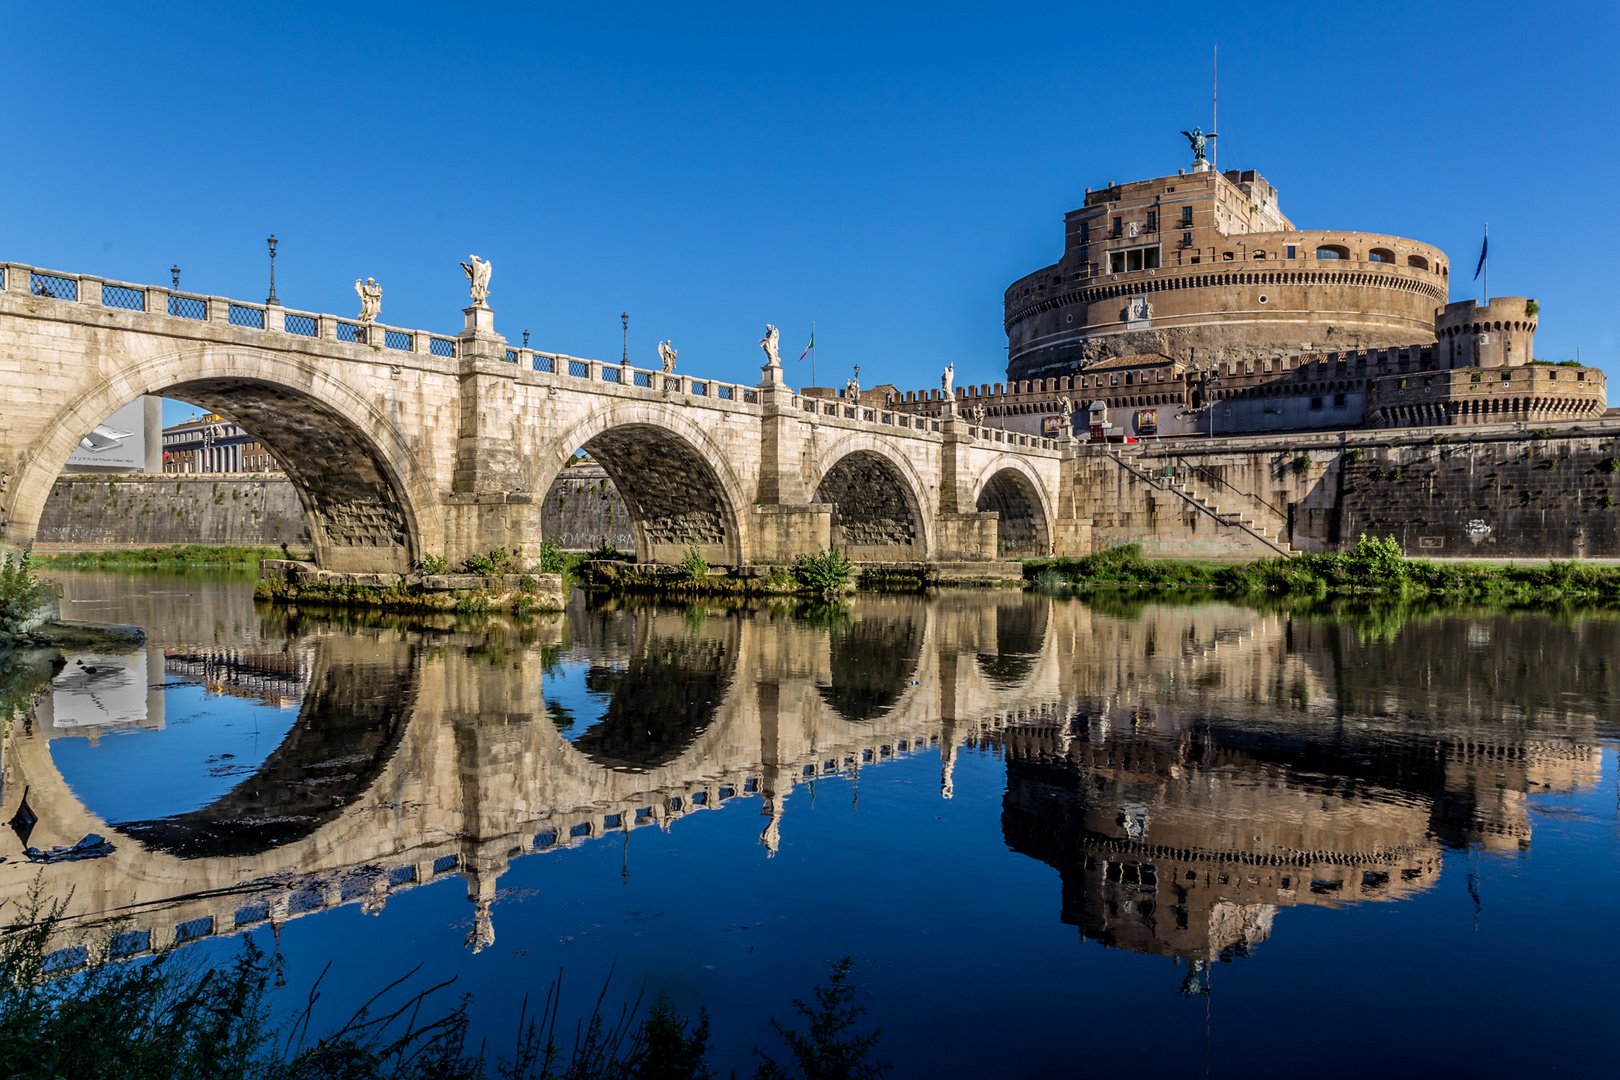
(1499, 333)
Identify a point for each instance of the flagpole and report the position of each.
(813, 353)
(1486, 260)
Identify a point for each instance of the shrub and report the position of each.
(1302, 465)
(551, 556)
(1612, 465)
(1050, 580)
(434, 564)
(499, 561)
(825, 570)
(829, 1049)
(20, 593)
(694, 567)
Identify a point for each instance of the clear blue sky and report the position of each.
(885, 171)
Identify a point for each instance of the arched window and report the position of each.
(1332, 251)
(1381, 255)
(1418, 261)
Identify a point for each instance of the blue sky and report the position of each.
(883, 170)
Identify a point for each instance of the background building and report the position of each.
(212, 444)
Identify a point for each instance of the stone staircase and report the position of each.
(1268, 530)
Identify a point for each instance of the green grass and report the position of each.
(1373, 570)
(177, 556)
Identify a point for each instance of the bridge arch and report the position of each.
(1008, 486)
(367, 496)
(675, 479)
(881, 514)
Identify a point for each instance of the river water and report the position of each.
(1057, 837)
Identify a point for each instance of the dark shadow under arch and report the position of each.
(1020, 635)
(674, 496)
(875, 515)
(1022, 531)
(358, 516)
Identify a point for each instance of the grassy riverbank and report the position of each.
(177, 557)
(1373, 569)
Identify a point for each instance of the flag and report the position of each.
(1482, 249)
(810, 346)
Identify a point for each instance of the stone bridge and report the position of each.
(403, 444)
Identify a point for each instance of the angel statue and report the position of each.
(370, 294)
(852, 387)
(1065, 416)
(666, 353)
(478, 272)
(768, 343)
(1198, 140)
(976, 414)
(948, 377)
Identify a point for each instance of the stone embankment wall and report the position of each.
(150, 510)
(583, 509)
(1488, 493)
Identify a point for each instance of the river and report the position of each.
(1056, 836)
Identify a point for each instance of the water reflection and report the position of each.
(1187, 771)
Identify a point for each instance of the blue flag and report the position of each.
(1482, 249)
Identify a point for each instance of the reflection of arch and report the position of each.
(367, 500)
(878, 515)
(354, 712)
(676, 482)
(1011, 488)
(871, 661)
(1020, 637)
(662, 700)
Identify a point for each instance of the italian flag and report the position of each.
(810, 346)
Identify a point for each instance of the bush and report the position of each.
(1302, 465)
(829, 1050)
(499, 561)
(551, 557)
(693, 565)
(823, 571)
(20, 593)
(434, 564)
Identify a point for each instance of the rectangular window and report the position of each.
(1119, 225)
(1316, 404)
(1186, 216)
(1133, 259)
(1116, 262)
(1085, 231)
(1291, 250)
(1338, 401)
(1152, 220)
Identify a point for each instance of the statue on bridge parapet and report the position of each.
(370, 294)
(478, 272)
(947, 378)
(1066, 424)
(666, 353)
(768, 343)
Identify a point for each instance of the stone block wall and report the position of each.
(150, 510)
(583, 510)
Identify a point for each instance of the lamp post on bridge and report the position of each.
(174, 274)
(625, 357)
(272, 301)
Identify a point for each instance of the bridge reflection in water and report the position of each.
(1187, 771)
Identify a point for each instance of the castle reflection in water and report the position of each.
(1186, 770)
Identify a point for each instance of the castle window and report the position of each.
(1292, 250)
(1116, 262)
(1418, 261)
(1332, 251)
(1226, 256)
(1113, 380)
(1186, 239)
(1316, 404)
(1119, 226)
(1338, 401)
(1383, 255)
(1152, 220)
(1085, 231)
(1186, 216)
(1258, 255)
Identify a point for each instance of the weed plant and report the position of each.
(179, 556)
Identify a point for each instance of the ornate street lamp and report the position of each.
(174, 272)
(272, 301)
